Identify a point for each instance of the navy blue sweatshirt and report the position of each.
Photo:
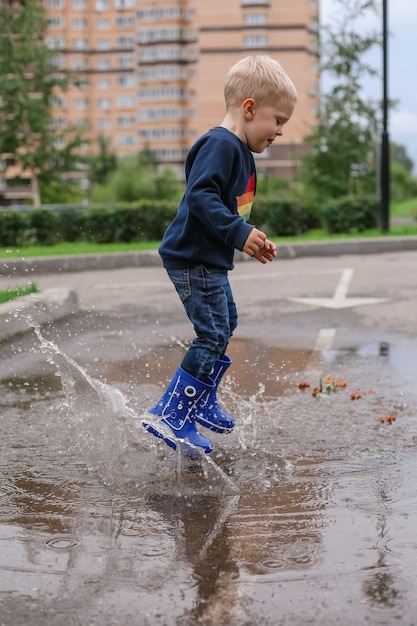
(211, 221)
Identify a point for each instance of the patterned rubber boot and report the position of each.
(177, 410)
(209, 412)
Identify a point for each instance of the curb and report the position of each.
(151, 258)
(79, 263)
(43, 307)
(340, 247)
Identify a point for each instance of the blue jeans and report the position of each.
(209, 304)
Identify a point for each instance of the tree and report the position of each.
(137, 178)
(342, 156)
(28, 83)
(103, 164)
(399, 155)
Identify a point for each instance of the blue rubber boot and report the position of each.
(209, 412)
(177, 410)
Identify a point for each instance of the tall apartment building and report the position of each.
(154, 69)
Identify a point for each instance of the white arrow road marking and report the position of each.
(340, 299)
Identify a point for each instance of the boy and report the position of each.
(198, 246)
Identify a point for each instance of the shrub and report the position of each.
(100, 224)
(155, 217)
(145, 220)
(71, 224)
(284, 216)
(13, 228)
(44, 226)
(350, 214)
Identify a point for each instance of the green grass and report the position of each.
(15, 292)
(406, 208)
(78, 247)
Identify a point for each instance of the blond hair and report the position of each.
(260, 78)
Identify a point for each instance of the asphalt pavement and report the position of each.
(299, 301)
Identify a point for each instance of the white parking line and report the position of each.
(325, 339)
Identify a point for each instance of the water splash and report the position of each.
(97, 412)
(113, 443)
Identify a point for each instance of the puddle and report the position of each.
(306, 513)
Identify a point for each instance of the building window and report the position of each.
(79, 4)
(125, 61)
(154, 113)
(170, 72)
(162, 134)
(255, 41)
(81, 103)
(103, 64)
(126, 140)
(59, 102)
(125, 102)
(125, 42)
(104, 104)
(175, 33)
(103, 44)
(79, 44)
(255, 19)
(104, 123)
(103, 83)
(126, 81)
(60, 143)
(171, 154)
(59, 121)
(257, 2)
(56, 21)
(54, 4)
(125, 21)
(162, 53)
(103, 23)
(55, 43)
(79, 23)
(126, 121)
(162, 13)
(102, 5)
(79, 64)
(162, 93)
(124, 4)
(59, 61)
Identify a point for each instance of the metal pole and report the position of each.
(385, 164)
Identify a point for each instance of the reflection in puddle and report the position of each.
(307, 509)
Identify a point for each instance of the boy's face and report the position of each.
(265, 122)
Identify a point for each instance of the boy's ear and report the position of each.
(248, 108)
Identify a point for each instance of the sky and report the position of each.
(402, 66)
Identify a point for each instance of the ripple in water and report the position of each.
(61, 543)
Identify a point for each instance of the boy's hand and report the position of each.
(267, 253)
(258, 246)
(255, 242)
